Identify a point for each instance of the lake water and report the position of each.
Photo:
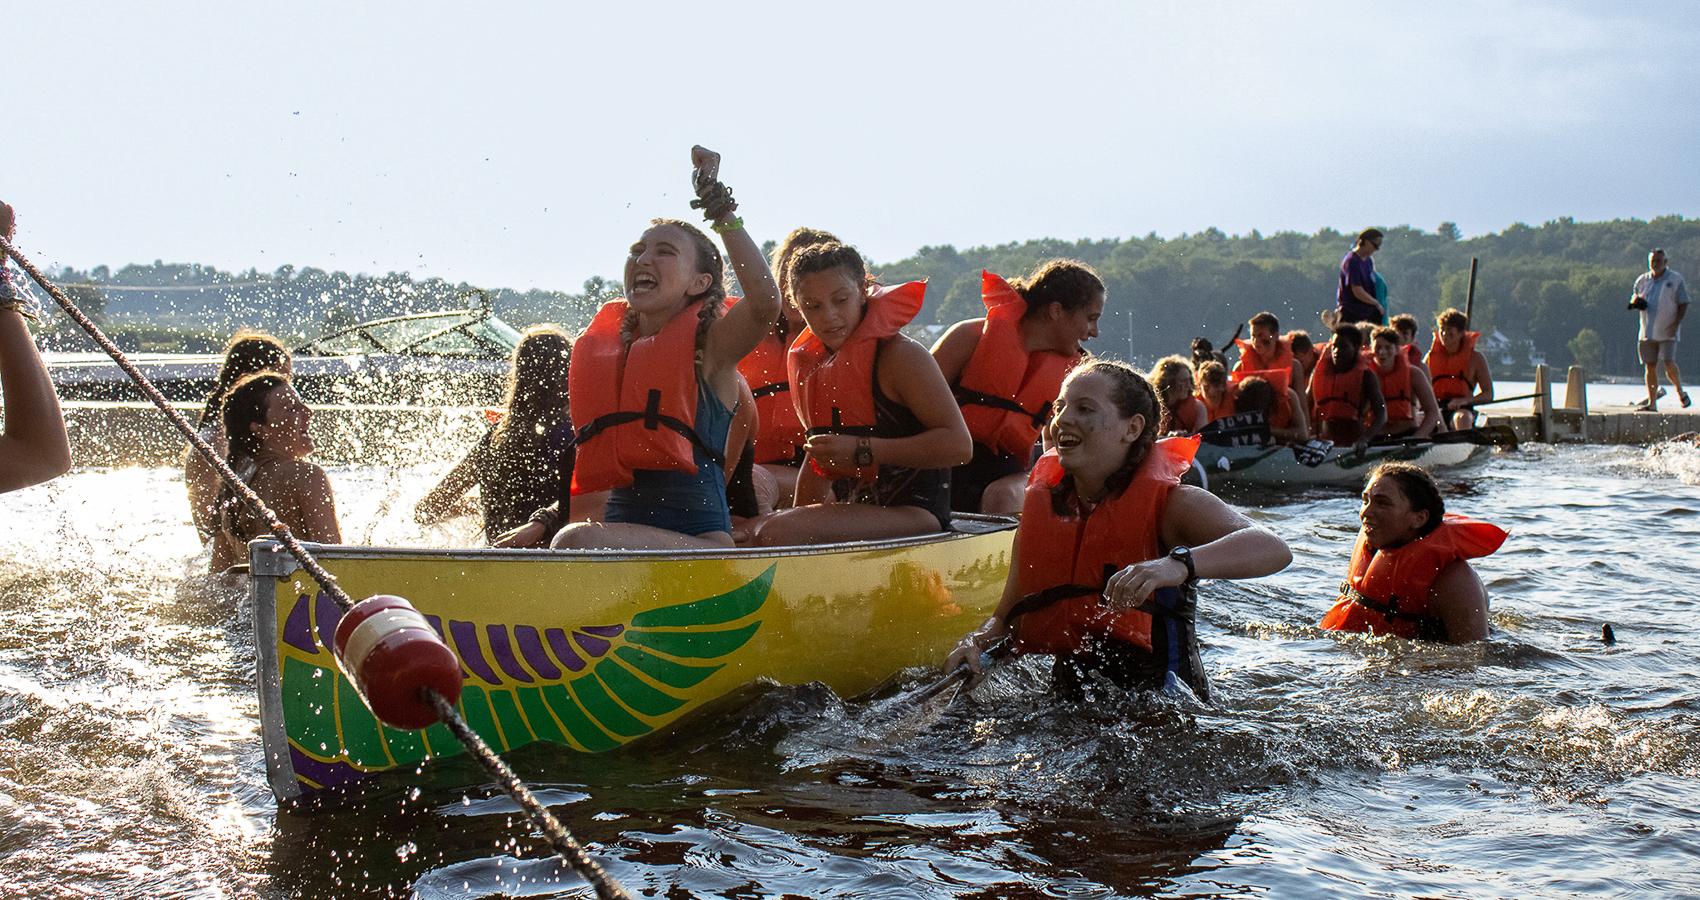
(1541, 763)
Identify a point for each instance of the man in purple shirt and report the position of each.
(1356, 296)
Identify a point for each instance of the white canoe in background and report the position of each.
(1278, 466)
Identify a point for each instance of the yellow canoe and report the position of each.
(591, 650)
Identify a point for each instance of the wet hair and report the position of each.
(247, 353)
(536, 393)
(1255, 394)
(1268, 320)
(1405, 323)
(1132, 396)
(1350, 333)
(1452, 316)
(824, 258)
(1068, 282)
(780, 261)
(1385, 333)
(1211, 372)
(1419, 489)
(1370, 234)
(1164, 375)
(243, 406)
(713, 299)
(1300, 341)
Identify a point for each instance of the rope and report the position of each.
(560, 839)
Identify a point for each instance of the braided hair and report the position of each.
(713, 299)
(1068, 282)
(1132, 396)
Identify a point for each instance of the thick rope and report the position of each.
(560, 839)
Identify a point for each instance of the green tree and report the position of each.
(1587, 349)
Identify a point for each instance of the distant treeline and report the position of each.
(1560, 287)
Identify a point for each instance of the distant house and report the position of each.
(1509, 353)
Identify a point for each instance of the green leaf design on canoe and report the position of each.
(728, 607)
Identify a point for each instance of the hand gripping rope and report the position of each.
(401, 667)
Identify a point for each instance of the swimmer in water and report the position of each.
(1409, 574)
(1111, 544)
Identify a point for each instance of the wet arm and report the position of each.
(1377, 407)
(1224, 543)
(1460, 600)
(956, 347)
(745, 324)
(916, 382)
(34, 447)
(434, 506)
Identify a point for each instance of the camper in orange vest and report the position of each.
(1182, 412)
(1007, 366)
(1343, 389)
(1267, 350)
(1458, 371)
(1409, 575)
(1404, 387)
(883, 429)
(1111, 545)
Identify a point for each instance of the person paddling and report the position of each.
(1111, 545)
(1458, 371)
(1007, 367)
(1409, 574)
(653, 384)
(884, 429)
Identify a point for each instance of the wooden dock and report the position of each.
(1575, 422)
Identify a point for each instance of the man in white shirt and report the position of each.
(1661, 297)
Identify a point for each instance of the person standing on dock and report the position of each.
(1356, 295)
(1661, 297)
(34, 447)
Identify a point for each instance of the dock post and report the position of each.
(1543, 404)
(1576, 399)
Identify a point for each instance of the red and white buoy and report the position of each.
(391, 654)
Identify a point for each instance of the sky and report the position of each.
(526, 144)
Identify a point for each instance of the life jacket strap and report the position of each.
(652, 419)
(1428, 627)
(768, 390)
(966, 396)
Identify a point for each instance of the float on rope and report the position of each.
(393, 656)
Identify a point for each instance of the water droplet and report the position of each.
(406, 850)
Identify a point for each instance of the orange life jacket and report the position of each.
(1006, 392)
(638, 405)
(1281, 415)
(1395, 387)
(834, 391)
(1253, 361)
(1412, 354)
(1068, 558)
(1336, 395)
(778, 430)
(1387, 591)
(1218, 410)
(1449, 371)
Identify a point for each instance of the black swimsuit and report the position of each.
(928, 489)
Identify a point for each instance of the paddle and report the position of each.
(999, 649)
(1499, 400)
(1485, 436)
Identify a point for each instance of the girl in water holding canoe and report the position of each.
(779, 431)
(654, 381)
(266, 423)
(1111, 543)
(1409, 574)
(248, 352)
(883, 428)
(1007, 367)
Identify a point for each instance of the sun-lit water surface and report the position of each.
(1541, 763)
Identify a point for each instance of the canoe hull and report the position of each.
(1277, 467)
(593, 650)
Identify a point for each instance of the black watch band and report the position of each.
(1184, 554)
(864, 452)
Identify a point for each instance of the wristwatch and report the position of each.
(864, 452)
(1184, 554)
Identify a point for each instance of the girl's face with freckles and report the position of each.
(831, 303)
(1087, 428)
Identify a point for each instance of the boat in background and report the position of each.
(590, 650)
(1278, 465)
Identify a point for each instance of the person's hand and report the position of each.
(705, 168)
(1131, 586)
(531, 534)
(832, 451)
(1361, 446)
(972, 647)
